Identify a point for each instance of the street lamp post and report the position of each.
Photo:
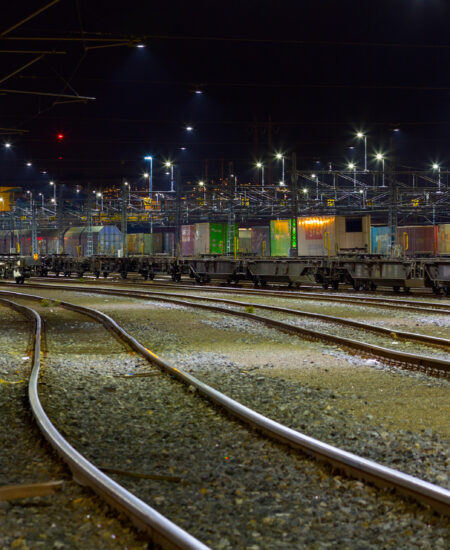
(150, 176)
(379, 156)
(438, 168)
(54, 191)
(260, 165)
(169, 164)
(279, 156)
(360, 135)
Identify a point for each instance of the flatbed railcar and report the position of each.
(362, 271)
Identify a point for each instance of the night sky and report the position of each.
(285, 76)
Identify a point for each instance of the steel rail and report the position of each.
(162, 531)
(353, 465)
(350, 299)
(369, 301)
(435, 365)
(425, 338)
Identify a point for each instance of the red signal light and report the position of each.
(60, 136)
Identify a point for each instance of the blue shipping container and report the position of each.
(379, 239)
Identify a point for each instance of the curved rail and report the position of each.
(351, 464)
(162, 531)
(433, 364)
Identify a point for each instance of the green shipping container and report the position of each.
(217, 238)
(280, 237)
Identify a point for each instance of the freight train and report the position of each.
(361, 271)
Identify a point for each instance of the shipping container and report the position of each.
(380, 239)
(187, 240)
(418, 240)
(47, 240)
(6, 241)
(280, 238)
(168, 245)
(22, 241)
(144, 243)
(245, 241)
(316, 236)
(331, 235)
(212, 238)
(353, 233)
(109, 240)
(106, 239)
(444, 238)
(260, 241)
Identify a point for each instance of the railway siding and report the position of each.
(69, 518)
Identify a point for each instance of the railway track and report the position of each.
(161, 530)
(387, 303)
(432, 365)
(353, 465)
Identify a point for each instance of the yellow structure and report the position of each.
(8, 197)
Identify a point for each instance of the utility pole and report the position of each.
(294, 204)
(124, 227)
(13, 227)
(34, 245)
(90, 240)
(60, 220)
(393, 206)
(177, 235)
(230, 231)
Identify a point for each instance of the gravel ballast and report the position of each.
(236, 489)
(71, 518)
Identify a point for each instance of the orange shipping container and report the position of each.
(444, 238)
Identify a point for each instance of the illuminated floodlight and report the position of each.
(189, 128)
(201, 183)
(279, 156)
(168, 164)
(145, 174)
(7, 145)
(52, 183)
(198, 91)
(361, 191)
(148, 158)
(29, 164)
(182, 148)
(140, 45)
(259, 165)
(360, 135)
(435, 166)
(351, 165)
(305, 190)
(281, 183)
(379, 156)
